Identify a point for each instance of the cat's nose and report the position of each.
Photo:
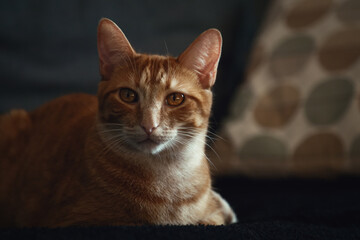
(150, 120)
(148, 129)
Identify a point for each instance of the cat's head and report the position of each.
(151, 103)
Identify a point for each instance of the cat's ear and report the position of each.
(113, 47)
(203, 55)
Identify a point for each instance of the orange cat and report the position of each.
(133, 155)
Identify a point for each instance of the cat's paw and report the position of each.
(220, 212)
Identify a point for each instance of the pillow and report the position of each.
(298, 112)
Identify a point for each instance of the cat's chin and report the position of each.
(150, 146)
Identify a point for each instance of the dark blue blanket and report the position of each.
(266, 209)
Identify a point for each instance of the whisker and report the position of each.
(110, 130)
(211, 163)
(187, 144)
(110, 124)
(216, 136)
(200, 138)
(109, 146)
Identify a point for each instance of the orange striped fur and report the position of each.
(125, 157)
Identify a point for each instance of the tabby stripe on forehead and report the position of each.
(153, 70)
(144, 76)
(156, 66)
(161, 75)
(149, 70)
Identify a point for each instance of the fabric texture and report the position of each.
(266, 209)
(299, 111)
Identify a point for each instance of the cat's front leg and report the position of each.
(219, 211)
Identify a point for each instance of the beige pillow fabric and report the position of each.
(299, 111)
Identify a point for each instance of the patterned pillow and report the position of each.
(299, 111)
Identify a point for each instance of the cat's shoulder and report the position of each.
(68, 106)
(14, 122)
(75, 99)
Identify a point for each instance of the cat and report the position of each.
(133, 155)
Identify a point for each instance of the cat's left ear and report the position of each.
(113, 47)
(203, 55)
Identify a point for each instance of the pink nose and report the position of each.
(149, 129)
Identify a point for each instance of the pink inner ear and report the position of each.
(113, 46)
(203, 55)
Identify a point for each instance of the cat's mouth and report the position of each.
(148, 141)
(150, 145)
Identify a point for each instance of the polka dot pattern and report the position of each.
(263, 147)
(299, 111)
(321, 149)
(340, 50)
(290, 56)
(242, 100)
(256, 59)
(314, 10)
(329, 100)
(349, 11)
(276, 108)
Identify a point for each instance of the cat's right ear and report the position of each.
(203, 55)
(113, 47)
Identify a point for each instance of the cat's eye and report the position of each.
(128, 95)
(175, 99)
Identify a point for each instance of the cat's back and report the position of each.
(37, 146)
(53, 116)
(62, 125)
(65, 109)
(46, 125)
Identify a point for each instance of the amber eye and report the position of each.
(175, 99)
(128, 95)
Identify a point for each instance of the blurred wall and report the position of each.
(48, 47)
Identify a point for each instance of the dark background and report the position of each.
(48, 47)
